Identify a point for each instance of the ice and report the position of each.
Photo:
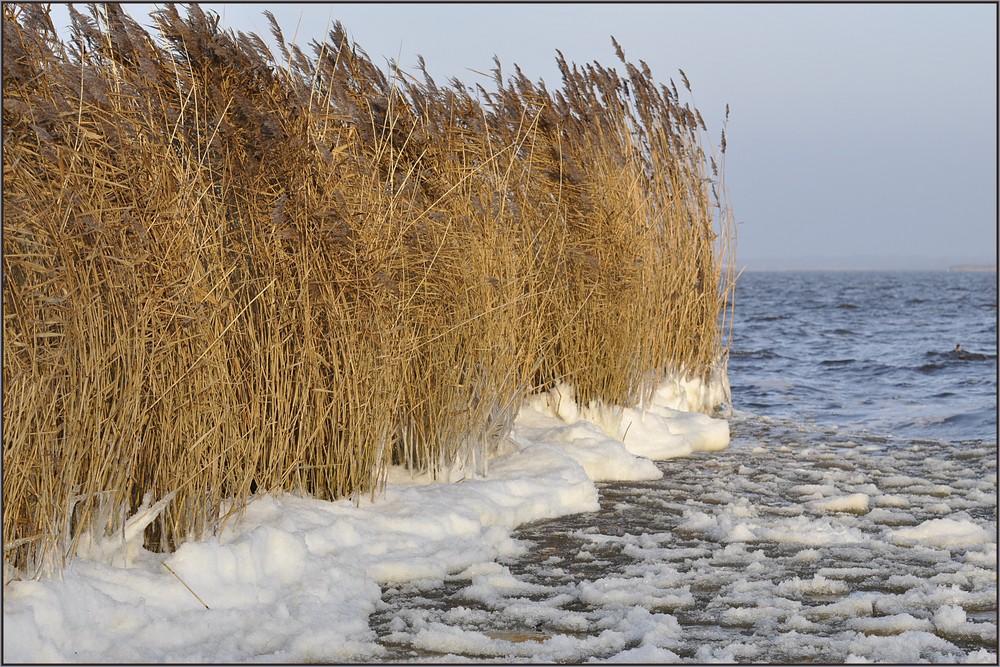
(938, 508)
(891, 500)
(936, 490)
(855, 503)
(794, 547)
(981, 657)
(907, 647)
(891, 517)
(813, 491)
(858, 604)
(661, 431)
(846, 573)
(646, 633)
(818, 585)
(643, 655)
(650, 591)
(985, 558)
(601, 456)
(951, 622)
(123, 549)
(890, 625)
(808, 556)
(492, 585)
(763, 613)
(296, 579)
(812, 532)
(943, 533)
(729, 654)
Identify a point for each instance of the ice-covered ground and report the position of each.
(797, 544)
(297, 579)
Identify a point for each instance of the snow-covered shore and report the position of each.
(297, 578)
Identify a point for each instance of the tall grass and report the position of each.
(227, 272)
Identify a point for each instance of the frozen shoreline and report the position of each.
(297, 578)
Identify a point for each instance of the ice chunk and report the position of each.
(890, 500)
(818, 585)
(951, 622)
(856, 604)
(981, 656)
(909, 647)
(943, 533)
(890, 625)
(820, 532)
(813, 491)
(644, 655)
(855, 503)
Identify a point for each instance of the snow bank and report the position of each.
(296, 579)
(663, 430)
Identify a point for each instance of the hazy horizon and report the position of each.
(857, 133)
(863, 263)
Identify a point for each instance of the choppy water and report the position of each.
(869, 351)
(852, 518)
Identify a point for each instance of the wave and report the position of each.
(963, 418)
(960, 355)
(755, 354)
(836, 362)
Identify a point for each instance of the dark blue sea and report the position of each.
(853, 518)
(869, 352)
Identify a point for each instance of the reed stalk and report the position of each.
(227, 273)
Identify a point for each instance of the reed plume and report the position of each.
(229, 273)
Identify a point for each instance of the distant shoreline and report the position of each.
(960, 268)
(863, 262)
(980, 268)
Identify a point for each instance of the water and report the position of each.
(852, 518)
(869, 351)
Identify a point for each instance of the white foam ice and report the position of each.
(296, 579)
(793, 545)
(856, 503)
(944, 533)
(667, 428)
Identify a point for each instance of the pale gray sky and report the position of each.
(860, 136)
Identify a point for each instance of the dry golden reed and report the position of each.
(229, 273)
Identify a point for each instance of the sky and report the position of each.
(860, 136)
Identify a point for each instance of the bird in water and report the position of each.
(971, 356)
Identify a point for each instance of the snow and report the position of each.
(296, 579)
(667, 428)
(806, 549)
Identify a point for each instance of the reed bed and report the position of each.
(228, 272)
